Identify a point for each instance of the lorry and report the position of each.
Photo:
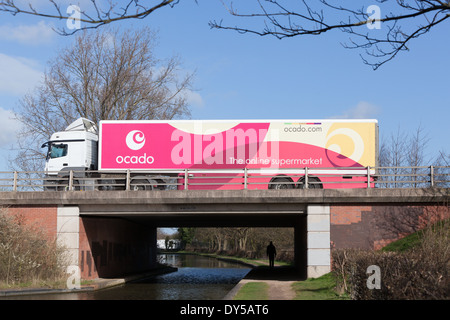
(212, 154)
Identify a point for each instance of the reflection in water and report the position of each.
(191, 260)
(197, 278)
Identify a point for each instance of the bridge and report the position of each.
(113, 233)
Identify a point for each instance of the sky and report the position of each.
(243, 76)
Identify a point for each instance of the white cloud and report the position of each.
(9, 127)
(28, 34)
(363, 110)
(18, 75)
(193, 98)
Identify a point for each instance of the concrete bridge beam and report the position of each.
(318, 240)
(68, 232)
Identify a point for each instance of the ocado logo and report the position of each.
(143, 159)
(135, 140)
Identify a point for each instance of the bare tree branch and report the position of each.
(381, 34)
(90, 17)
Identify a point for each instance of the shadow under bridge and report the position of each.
(208, 209)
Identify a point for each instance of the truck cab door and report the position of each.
(57, 157)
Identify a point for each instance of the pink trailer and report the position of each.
(251, 154)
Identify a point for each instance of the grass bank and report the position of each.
(253, 291)
(322, 288)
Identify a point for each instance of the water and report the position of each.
(197, 278)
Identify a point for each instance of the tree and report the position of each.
(242, 241)
(383, 30)
(404, 160)
(92, 14)
(105, 75)
(186, 235)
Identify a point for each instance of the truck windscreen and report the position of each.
(57, 150)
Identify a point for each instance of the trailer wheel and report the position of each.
(281, 183)
(317, 184)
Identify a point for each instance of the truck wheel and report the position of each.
(315, 185)
(76, 185)
(160, 185)
(140, 184)
(281, 183)
(106, 185)
(62, 185)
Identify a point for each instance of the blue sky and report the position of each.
(251, 77)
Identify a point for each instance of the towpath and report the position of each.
(279, 280)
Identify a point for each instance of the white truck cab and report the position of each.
(75, 148)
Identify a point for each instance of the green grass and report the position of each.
(415, 239)
(404, 244)
(253, 291)
(49, 284)
(322, 288)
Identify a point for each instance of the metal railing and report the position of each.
(185, 179)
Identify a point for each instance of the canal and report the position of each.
(197, 278)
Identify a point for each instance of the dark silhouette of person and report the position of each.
(271, 252)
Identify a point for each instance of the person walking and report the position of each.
(271, 252)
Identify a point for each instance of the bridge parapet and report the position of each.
(299, 196)
(243, 179)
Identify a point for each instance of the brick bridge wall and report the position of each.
(102, 247)
(42, 218)
(112, 246)
(375, 226)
